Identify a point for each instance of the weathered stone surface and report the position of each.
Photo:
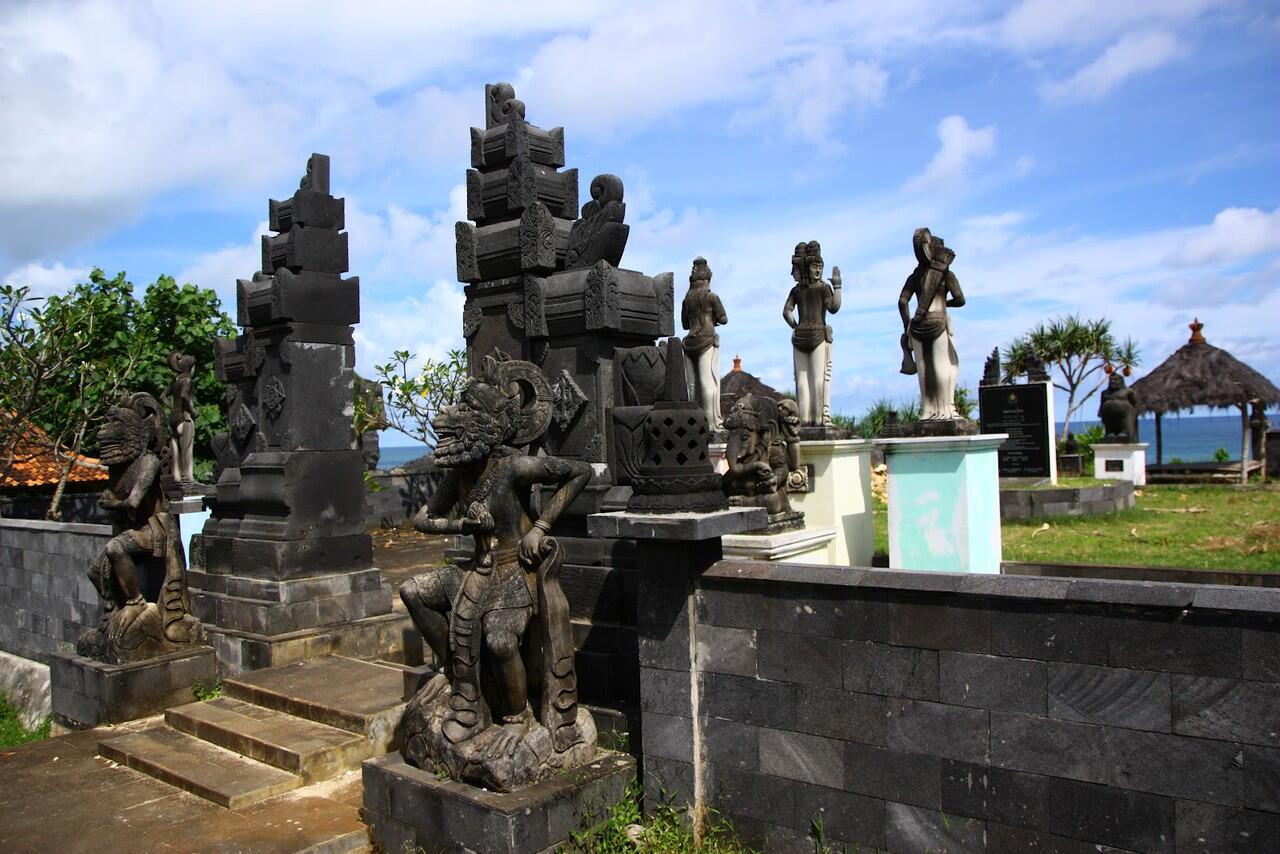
(952, 732)
(25, 686)
(799, 658)
(1227, 709)
(906, 777)
(796, 756)
(87, 692)
(196, 766)
(676, 526)
(994, 794)
(845, 817)
(1175, 766)
(404, 804)
(1044, 746)
(897, 671)
(909, 828)
(1107, 816)
(1138, 699)
(992, 682)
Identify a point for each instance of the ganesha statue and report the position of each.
(502, 710)
(763, 455)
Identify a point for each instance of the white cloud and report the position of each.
(960, 146)
(218, 270)
(1236, 233)
(808, 96)
(1133, 54)
(1035, 25)
(46, 280)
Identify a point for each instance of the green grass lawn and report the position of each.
(1200, 526)
(13, 732)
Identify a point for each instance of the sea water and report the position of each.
(1190, 438)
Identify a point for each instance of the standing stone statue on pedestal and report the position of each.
(701, 313)
(503, 711)
(145, 552)
(1118, 410)
(812, 298)
(928, 341)
(182, 418)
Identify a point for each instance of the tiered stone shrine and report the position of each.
(284, 570)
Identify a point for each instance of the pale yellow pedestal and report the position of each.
(840, 481)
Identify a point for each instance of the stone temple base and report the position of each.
(818, 433)
(389, 637)
(408, 809)
(87, 692)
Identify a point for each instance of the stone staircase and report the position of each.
(272, 731)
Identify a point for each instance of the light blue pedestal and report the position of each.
(944, 503)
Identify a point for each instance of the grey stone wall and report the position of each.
(930, 712)
(1023, 504)
(46, 602)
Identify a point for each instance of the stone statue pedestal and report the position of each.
(839, 497)
(190, 513)
(807, 545)
(671, 550)
(944, 503)
(88, 693)
(408, 809)
(1116, 461)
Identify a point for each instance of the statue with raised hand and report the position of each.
(810, 301)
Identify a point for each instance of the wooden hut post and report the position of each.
(1244, 442)
(1159, 441)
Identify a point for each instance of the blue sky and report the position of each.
(1107, 158)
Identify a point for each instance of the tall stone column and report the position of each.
(284, 567)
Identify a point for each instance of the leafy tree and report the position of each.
(414, 398)
(1078, 350)
(97, 342)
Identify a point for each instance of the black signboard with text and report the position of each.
(1022, 411)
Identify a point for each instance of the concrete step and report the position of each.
(313, 751)
(357, 696)
(198, 767)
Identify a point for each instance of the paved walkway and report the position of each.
(58, 796)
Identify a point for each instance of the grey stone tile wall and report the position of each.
(46, 602)
(964, 716)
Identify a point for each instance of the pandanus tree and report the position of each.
(1076, 352)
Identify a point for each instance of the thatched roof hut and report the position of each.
(1199, 374)
(738, 382)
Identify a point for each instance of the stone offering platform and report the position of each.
(273, 731)
(87, 692)
(408, 809)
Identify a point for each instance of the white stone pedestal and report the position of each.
(1121, 462)
(944, 503)
(839, 498)
(810, 545)
(190, 514)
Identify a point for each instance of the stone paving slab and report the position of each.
(58, 797)
(346, 693)
(196, 766)
(311, 750)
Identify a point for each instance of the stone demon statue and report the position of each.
(763, 453)
(1118, 410)
(503, 709)
(141, 573)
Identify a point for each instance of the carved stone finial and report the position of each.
(737, 362)
(599, 234)
(500, 103)
(1195, 326)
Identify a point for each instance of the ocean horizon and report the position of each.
(1190, 438)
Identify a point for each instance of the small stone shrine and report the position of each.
(661, 448)
(502, 615)
(543, 282)
(811, 299)
(140, 575)
(928, 345)
(700, 314)
(763, 453)
(286, 555)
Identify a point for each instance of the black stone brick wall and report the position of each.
(995, 714)
(46, 602)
